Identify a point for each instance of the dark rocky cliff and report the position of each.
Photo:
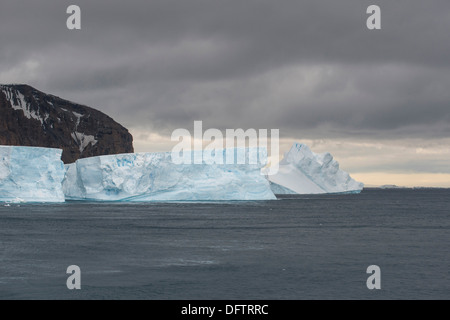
(29, 117)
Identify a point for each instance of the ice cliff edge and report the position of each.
(31, 174)
(34, 174)
(155, 177)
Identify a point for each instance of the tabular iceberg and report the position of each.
(304, 172)
(30, 174)
(155, 177)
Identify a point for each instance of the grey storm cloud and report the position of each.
(309, 68)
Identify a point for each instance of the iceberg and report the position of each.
(155, 177)
(31, 174)
(302, 171)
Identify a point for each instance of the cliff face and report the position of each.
(29, 117)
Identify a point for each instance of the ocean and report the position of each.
(294, 248)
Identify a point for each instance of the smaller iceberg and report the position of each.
(31, 174)
(304, 172)
(155, 177)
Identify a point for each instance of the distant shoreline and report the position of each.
(402, 187)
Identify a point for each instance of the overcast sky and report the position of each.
(378, 100)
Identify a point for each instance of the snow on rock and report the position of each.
(30, 174)
(78, 116)
(154, 177)
(18, 102)
(83, 140)
(304, 172)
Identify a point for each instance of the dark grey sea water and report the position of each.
(304, 247)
